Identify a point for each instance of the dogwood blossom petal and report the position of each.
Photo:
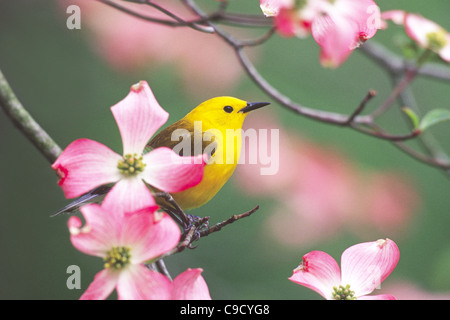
(84, 165)
(99, 232)
(103, 285)
(139, 283)
(378, 297)
(342, 27)
(396, 16)
(168, 171)
(365, 13)
(138, 117)
(428, 34)
(366, 265)
(128, 195)
(418, 27)
(445, 51)
(190, 285)
(319, 272)
(271, 8)
(288, 23)
(336, 37)
(149, 235)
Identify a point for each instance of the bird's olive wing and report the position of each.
(183, 139)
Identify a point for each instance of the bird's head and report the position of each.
(224, 112)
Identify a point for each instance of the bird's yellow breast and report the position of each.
(219, 169)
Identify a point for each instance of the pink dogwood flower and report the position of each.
(338, 26)
(86, 164)
(426, 33)
(125, 242)
(363, 267)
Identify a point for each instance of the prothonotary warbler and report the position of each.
(213, 127)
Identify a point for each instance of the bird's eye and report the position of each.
(228, 109)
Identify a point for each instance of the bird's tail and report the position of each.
(93, 196)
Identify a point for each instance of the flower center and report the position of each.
(131, 164)
(437, 40)
(343, 293)
(117, 258)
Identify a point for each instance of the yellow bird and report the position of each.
(213, 127)
(216, 122)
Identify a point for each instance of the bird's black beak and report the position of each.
(253, 106)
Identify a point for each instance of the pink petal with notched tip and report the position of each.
(190, 285)
(366, 265)
(169, 172)
(149, 234)
(84, 165)
(138, 117)
(319, 272)
(104, 283)
(99, 233)
(137, 282)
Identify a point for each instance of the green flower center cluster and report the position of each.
(117, 258)
(437, 40)
(131, 164)
(343, 293)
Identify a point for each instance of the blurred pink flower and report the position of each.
(272, 8)
(338, 26)
(319, 192)
(204, 63)
(125, 242)
(404, 290)
(387, 200)
(364, 267)
(86, 164)
(426, 33)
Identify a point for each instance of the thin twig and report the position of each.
(258, 41)
(169, 23)
(193, 25)
(369, 96)
(233, 218)
(196, 230)
(431, 161)
(406, 80)
(387, 136)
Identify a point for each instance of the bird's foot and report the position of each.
(197, 224)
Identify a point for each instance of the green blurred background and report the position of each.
(68, 88)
